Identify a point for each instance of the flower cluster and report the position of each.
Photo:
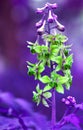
(48, 18)
(69, 101)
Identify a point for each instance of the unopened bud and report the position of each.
(40, 31)
(39, 24)
(52, 6)
(71, 99)
(67, 102)
(50, 17)
(40, 10)
(63, 99)
(55, 16)
(59, 26)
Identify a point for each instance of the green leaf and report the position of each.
(66, 52)
(54, 75)
(35, 96)
(41, 67)
(68, 62)
(44, 48)
(63, 79)
(67, 73)
(52, 57)
(47, 88)
(69, 59)
(54, 49)
(59, 88)
(58, 68)
(45, 79)
(47, 94)
(58, 60)
(45, 102)
(38, 101)
(67, 85)
(37, 88)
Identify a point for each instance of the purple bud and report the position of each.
(63, 99)
(47, 5)
(59, 26)
(40, 10)
(54, 6)
(39, 24)
(67, 102)
(50, 17)
(51, 6)
(71, 99)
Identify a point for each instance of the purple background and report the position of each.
(17, 25)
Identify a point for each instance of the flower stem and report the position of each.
(53, 116)
(53, 120)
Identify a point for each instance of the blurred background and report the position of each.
(17, 25)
